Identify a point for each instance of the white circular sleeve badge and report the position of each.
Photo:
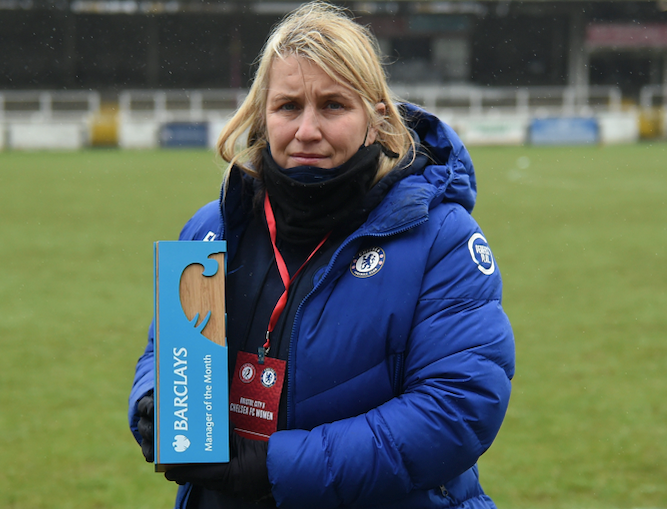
(481, 254)
(368, 262)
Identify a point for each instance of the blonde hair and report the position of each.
(348, 53)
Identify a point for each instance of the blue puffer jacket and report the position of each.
(399, 376)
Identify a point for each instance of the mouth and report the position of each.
(305, 158)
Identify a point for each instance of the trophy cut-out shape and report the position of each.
(202, 290)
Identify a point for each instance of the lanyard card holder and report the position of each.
(191, 374)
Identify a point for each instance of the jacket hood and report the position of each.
(450, 170)
(441, 171)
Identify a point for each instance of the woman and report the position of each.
(350, 241)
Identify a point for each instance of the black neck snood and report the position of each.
(306, 211)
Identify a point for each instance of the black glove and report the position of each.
(245, 476)
(145, 425)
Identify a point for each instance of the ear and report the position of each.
(380, 109)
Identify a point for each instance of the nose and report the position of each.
(309, 126)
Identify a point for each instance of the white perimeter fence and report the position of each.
(153, 118)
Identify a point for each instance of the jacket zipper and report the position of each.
(297, 316)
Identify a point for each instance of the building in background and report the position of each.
(111, 45)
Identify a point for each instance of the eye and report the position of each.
(288, 107)
(333, 105)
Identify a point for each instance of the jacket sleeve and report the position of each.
(205, 221)
(143, 383)
(459, 361)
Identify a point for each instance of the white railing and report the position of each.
(652, 96)
(179, 105)
(473, 100)
(211, 105)
(46, 105)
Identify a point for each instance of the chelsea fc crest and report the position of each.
(268, 377)
(368, 262)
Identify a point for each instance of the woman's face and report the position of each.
(312, 120)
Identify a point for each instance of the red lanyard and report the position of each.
(284, 274)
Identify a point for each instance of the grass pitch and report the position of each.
(579, 235)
